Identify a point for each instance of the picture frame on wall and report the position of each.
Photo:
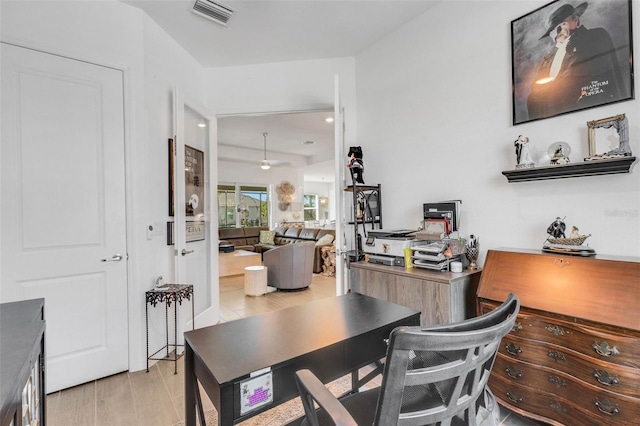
(194, 180)
(569, 56)
(171, 156)
(194, 231)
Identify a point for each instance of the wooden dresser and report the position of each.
(441, 297)
(573, 357)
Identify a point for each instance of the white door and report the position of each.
(194, 198)
(340, 165)
(63, 234)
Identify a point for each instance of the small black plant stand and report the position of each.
(167, 294)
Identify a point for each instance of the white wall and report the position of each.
(440, 88)
(114, 34)
(284, 86)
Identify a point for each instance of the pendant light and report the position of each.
(265, 163)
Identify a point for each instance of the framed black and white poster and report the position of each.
(569, 56)
(194, 181)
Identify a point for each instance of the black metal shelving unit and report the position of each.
(367, 210)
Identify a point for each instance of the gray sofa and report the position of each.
(294, 235)
(241, 238)
(290, 266)
(249, 239)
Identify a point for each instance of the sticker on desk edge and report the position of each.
(256, 392)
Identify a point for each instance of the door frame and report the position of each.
(294, 110)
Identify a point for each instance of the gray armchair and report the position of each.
(290, 266)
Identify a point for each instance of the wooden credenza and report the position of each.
(573, 357)
(441, 297)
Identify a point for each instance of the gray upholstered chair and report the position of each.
(290, 266)
(436, 375)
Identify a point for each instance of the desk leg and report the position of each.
(175, 338)
(146, 316)
(191, 392)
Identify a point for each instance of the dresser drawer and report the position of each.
(547, 408)
(610, 346)
(601, 375)
(556, 381)
(580, 407)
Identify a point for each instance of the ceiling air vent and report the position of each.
(214, 11)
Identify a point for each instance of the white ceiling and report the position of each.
(289, 138)
(268, 31)
(286, 133)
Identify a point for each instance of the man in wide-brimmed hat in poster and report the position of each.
(580, 71)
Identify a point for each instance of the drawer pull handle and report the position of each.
(604, 349)
(555, 330)
(605, 378)
(514, 397)
(556, 356)
(516, 327)
(513, 349)
(513, 372)
(559, 382)
(606, 407)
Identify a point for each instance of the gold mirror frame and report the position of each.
(619, 122)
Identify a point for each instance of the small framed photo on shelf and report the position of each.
(609, 138)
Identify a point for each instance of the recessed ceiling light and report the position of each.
(329, 119)
(308, 142)
(202, 125)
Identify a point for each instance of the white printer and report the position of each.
(387, 246)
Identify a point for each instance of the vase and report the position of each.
(472, 255)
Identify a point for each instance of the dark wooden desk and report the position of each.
(331, 337)
(22, 386)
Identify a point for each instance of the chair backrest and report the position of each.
(290, 266)
(439, 374)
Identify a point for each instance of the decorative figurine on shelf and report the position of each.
(575, 232)
(557, 228)
(559, 153)
(473, 250)
(557, 236)
(523, 156)
(356, 165)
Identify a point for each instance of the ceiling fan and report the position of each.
(267, 164)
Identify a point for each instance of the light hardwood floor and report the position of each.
(157, 398)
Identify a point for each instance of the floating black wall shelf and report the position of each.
(585, 168)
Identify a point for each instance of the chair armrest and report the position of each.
(311, 389)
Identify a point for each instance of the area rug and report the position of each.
(282, 414)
